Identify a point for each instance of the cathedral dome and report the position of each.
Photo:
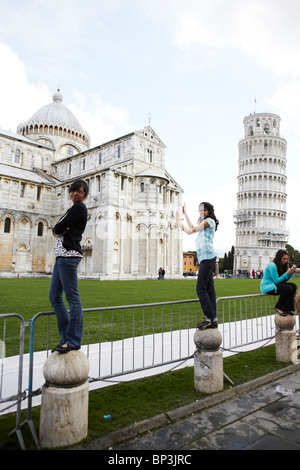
(54, 116)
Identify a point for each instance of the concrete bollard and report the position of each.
(286, 339)
(208, 361)
(65, 395)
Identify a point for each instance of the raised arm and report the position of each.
(189, 230)
(187, 217)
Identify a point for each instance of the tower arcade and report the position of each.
(261, 198)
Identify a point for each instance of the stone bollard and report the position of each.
(286, 339)
(65, 396)
(208, 361)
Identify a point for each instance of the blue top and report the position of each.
(271, 278)
(204, 242)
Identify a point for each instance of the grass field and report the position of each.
(30, 296)
(133, 401)
(27, 297)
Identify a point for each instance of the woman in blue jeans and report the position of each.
(68, 232)
(206, 226)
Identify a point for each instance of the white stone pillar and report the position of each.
(286, 339)
(64, 407)
(208, 361)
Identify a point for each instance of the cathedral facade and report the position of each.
(261, 199)
(132, 203)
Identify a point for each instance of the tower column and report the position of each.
(261, 197)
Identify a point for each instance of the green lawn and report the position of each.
(27, 297)
(137, 400)
(30, 296)
(134, 401)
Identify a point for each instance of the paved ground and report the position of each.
(261, 415)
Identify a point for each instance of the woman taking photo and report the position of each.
(68, 232)
(275, 281)
(206, 226)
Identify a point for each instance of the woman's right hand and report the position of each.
(292, 270)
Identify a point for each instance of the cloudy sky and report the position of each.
(194, 66)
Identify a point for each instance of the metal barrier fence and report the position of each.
(128, 339)
(19, 395)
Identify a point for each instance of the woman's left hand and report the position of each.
(61, 234)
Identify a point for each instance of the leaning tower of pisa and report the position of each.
(261, 199)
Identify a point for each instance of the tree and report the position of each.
(294, 256)
(228, 261)
(225, 262)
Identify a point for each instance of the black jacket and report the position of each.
(75, 219)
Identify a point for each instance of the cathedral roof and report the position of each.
(24, 175)
(22, 138)
(57, 115)
(152, 173)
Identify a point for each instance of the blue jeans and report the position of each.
(205, 289)
(64, 279)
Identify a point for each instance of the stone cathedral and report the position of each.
(261, 199)
(131, 230)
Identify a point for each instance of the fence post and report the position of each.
(286, 339)
(64, 407)
(208, 361)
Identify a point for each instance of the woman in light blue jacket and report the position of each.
(275, 281)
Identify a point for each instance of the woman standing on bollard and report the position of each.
(68, 253)
(275, 281)
(206, 226)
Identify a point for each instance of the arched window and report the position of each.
(116, 253)
(17, 156)
(7, 224)
(40, 229)
(38, 193)
(142, 187)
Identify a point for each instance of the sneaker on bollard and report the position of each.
(207, 324)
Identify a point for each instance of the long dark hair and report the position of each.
(77, 185)
(281, 268)
(211, 213)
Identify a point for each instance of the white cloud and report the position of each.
(19, 98)
(103, 121)
(287, 99)
(266, 29)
